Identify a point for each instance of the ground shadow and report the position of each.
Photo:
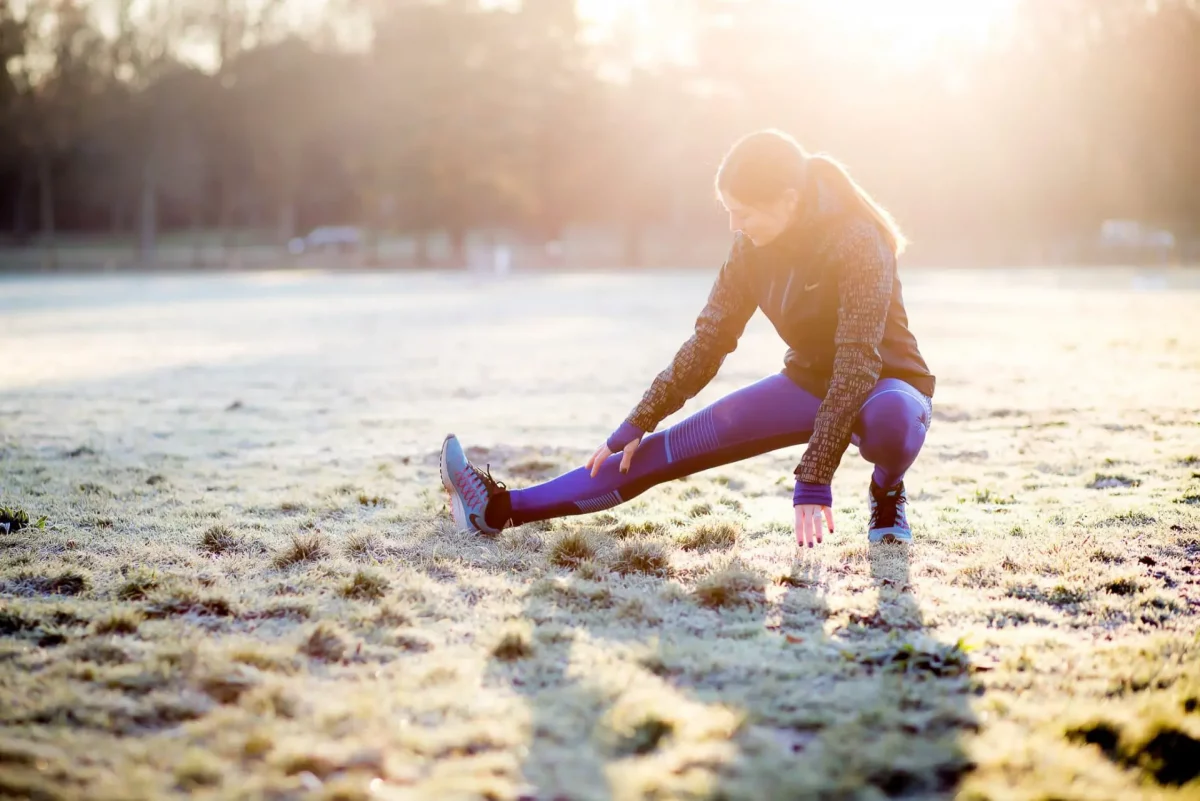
(829, 704)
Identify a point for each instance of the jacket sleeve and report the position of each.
(865, 278)
(721, 323)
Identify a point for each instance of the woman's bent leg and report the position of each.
(891, 429)
(765, 416)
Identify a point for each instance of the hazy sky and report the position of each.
(659, 29)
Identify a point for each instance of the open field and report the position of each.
(246, 584)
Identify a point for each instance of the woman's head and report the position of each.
(762, 182)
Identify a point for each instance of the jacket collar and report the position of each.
(821, 204)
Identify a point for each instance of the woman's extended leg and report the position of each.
(769, 414)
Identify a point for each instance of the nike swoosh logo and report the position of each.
(476, 522)
(811, 287)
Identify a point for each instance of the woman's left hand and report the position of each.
(809, 524)
(602, 453)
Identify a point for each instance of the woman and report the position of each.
(818, 256)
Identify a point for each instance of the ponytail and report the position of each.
(839, 179)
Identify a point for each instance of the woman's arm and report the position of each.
(864, 296)
(718, 328)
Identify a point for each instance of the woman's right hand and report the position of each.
(625, 439)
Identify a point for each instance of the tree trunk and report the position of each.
(21, 212)
(633, 245)
(458, 247)
(287, 220)
(46, 197)
(198, 243)
(421, 256)
(116, 227)
(289, 169)
(225, 218)
(116, 217)
(148, 222)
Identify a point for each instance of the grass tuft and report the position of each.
(1163, 753)
(269, 659)
(303, 548)
(219, 539)
(326, 643)
(1107, 557)
(363, 544)
(15, 623)
(1130, 519)
(990, 496)
(572, 549)
(728, 587)
(119, 621)
(1103, 481)
(199, 769)
(13, 520)
(1060, 595)
(1191, 498)
(645, 737)
(138, 585)
(935, 659)
(516, 642)
(188, 601)
(68, 582)
(645, 558)
(1123, 586)
(591, 571)
(365, 585)
(641, 528)
(711, 535)
(372, 500)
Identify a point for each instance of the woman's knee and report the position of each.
(891, 422)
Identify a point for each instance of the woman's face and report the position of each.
(761, 223)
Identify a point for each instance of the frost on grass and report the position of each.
(291, 613)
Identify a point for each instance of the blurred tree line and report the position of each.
(138, 117)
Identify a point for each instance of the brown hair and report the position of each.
(761, 166)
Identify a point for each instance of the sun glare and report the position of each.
(913, 26)
(908, 28)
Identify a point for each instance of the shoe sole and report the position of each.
(457, 510)
(891, 539)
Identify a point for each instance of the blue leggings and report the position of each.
(768, 415)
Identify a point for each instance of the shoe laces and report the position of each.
(889, 508)
(477, 486)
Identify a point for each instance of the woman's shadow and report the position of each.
(773, 695)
